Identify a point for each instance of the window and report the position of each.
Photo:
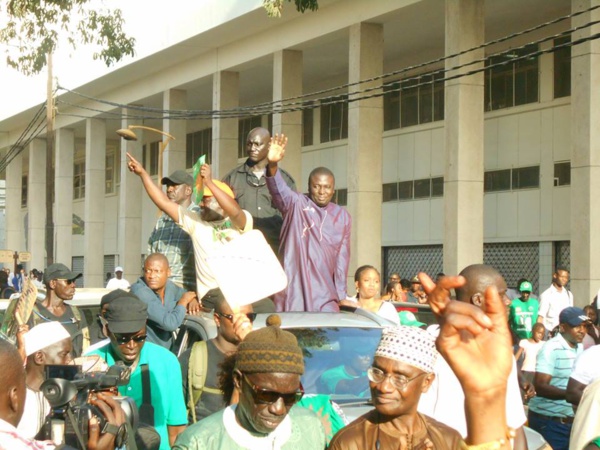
(79, 180)
(405, 190)
(150, 157)
(110, 175)
(414, 189)
(334, 120)
(198, 144)
(562, 173)
(24, 191)
(390, 192)
(526, 177)
(512, 82)
(496, 180)
(244, 127)
(437, 187)
(307, 127)
(414, 101)
(423, 188)
(562, 68)
(341, 197)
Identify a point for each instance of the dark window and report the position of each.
(334, 120)
(562, 173)
(423, 188)
(496, 180)
(514, 81)
(526, 177)
(409, 103)
(562, 68)
(307, 127)
(390, 192)
(405, 190)
(24, 191)
(391, 106)
(438, 97)
(198, 144)
(151, 157)
(79, 180)
(341, 197)
(244, 127)
(437, 187)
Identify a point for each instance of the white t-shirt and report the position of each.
(34, 414)
(530, 350)
(115, 283)
(445, 399)
(586, 368)
(388, 311)
(552, 302)
(208, 237)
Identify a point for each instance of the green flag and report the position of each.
(198, 185)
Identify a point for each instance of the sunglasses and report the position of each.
(267, 397)
(250, 316)
(124, 339)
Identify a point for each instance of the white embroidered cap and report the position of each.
(409, 345)
(44, 335)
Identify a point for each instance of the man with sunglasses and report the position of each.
(200, 364)
(249, 184)
(266, 376)
(155, 382)
(60, 286)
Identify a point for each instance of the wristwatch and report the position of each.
(120, 432)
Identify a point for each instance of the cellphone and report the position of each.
(66, 372)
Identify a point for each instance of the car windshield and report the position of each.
(336, 361)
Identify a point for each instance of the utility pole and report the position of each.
(49, 238)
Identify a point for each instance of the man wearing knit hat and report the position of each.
(46, 343)
(266, 375)
(402, 369)
(155, 381)
(220, 221)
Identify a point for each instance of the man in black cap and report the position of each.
(60, 286)
(155, 382)
(170, 239)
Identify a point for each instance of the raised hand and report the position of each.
(134, 166)
(277, 148)
(206, 172)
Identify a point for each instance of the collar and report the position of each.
(563, 342)
(245, 439)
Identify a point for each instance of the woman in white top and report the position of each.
(367, 281)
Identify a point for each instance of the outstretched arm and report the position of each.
(229, 205)
(155, 193)
(276, 153)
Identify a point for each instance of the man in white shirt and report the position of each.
(554, 299)
(118, 282)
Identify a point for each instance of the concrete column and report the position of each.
(226, 86)
(585, 157)
(14, 225)
(95, 163)
(130, 208)
(365, 127)
(546, 255)
(463, 178)
(37, 215)
(63, 195)
(287, 83)
(174, 155)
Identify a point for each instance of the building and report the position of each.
(454, 157)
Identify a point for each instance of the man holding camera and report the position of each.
(155, 382)
(12, 403)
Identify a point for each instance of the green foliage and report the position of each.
(35, 27)
(274, 7)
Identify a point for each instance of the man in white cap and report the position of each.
(402, 369)
(118, 282)
(46, 343)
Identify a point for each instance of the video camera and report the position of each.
(68, 391)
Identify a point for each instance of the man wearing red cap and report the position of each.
(221, 220)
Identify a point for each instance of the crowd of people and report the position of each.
(461, 383)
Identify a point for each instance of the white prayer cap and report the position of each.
(44, 335)
(409, 345)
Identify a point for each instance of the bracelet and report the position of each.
(494, 445)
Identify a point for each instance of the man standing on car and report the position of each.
(200, 365)
(167, 302)
(249, 184)
(155, 382)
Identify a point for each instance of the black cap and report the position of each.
(59, 271)
(125, 312)
(179, 177)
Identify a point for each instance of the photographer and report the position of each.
(12, 403)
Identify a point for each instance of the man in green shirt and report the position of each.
(523, 312)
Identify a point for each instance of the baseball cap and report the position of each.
(409, 319)
(178, 177)
(525, 287)
(118, 269)
(573, 316)
(415, 279)
(125, 313)
(222, 186)
(59, 271)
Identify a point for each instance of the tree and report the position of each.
(274, 7)
(34, 29)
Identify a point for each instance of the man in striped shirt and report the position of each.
(549, 412)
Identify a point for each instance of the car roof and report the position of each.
(297, 319)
